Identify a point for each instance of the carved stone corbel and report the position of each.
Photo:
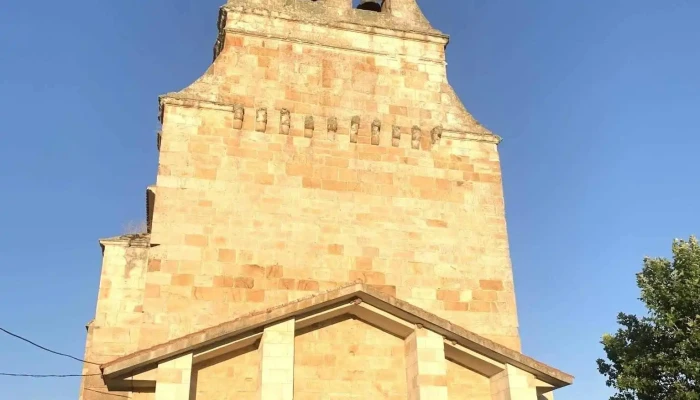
(376, 130)
(354, 128)
(415, 137)
(396, 136)
(309, 127)
(238, 114)
(261, 120)
(436, 135)
(332, 125)
(285, 121)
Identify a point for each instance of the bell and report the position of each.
(370, 5)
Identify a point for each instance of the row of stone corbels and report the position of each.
(309, 127)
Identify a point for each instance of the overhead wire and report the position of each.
(46, 349)
(56, 375)
(109, 394)
(14, 375)
(46, 375)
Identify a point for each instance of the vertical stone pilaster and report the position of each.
(513, 384)
(173, 379)
(426, 366)
(277, 362)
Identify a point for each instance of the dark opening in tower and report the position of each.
(369, 5)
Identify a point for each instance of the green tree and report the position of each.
(657, 356)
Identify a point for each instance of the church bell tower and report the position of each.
(327, 222)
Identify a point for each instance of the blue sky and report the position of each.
(597, 102)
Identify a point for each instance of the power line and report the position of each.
(56, 376)
(45, 349)
(110, 394)
(45, 376)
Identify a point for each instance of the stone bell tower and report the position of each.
(324, 145)
(323, 157)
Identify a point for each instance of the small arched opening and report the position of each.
(369, 5)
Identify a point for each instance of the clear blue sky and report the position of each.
(597, 101)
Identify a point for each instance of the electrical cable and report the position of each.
(56, 375)
(109, 394)
(45, 349)
(45, 376)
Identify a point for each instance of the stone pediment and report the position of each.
(391, 315)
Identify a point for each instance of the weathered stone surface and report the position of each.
(376, 130)
(255, 206)
(238, 115)
(396, 136)
(285, 121)
(309, 126)
(355, 294)
(415, 137)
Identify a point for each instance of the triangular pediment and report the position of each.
(384, 312)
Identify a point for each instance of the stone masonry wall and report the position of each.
(117, 325)
(464, 384)
(252, 217)
(351, 360)
(245, 220)
(232, 376)
(310, 155)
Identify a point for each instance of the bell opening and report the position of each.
(369, 5)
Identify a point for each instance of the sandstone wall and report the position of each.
(251, 217)
(313, 153)
(232, 376)
(464, 384)
(351, 360)
(119, 314)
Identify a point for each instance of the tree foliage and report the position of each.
(657, 356)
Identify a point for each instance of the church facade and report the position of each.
(327, 222)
